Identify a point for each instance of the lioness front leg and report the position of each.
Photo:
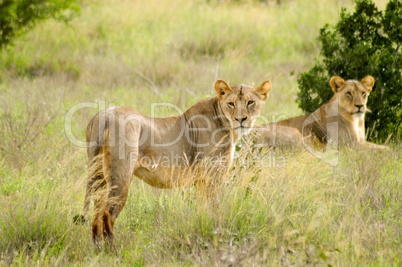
(375, 146)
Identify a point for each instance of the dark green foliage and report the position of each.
(365, 42)
(18, 16)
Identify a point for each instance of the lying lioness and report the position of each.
(341, 120)
(122, 142)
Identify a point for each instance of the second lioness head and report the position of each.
(352, 94)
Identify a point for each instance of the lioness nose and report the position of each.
(241, 119)
(359, 106)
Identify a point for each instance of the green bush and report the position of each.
(18, 16)
(365, 42)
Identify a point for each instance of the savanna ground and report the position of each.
(296, 210)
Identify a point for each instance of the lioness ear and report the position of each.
(368, 81)
(336, 82)
(263, 90)
(222, 89)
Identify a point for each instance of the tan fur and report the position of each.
(342, 118)
(274, 136)
(163, 152)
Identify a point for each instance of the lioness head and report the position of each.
(241, 104)
(352, 94)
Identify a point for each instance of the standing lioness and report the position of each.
(122, 142)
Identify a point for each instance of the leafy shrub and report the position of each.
(365, 42)
(18, 16)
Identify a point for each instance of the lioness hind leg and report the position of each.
(102, 227)
(120, 180)
(119, 176)
(104, 218)
(97, 232)
(96, 191)
(118, 161)
(108, 231)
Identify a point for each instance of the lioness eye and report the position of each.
(250, 102)
(364, 94)
(231, 104)
(349, 94)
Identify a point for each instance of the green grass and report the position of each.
(297, 210)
